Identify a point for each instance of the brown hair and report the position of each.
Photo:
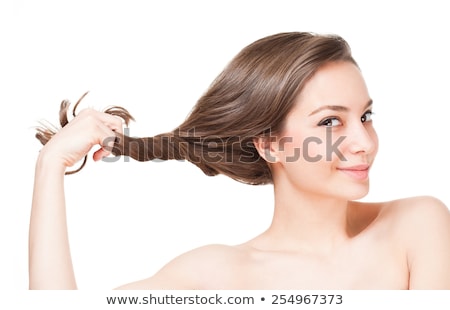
(249, 99)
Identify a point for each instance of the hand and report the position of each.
(76, 139)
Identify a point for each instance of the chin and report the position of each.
(354, 191)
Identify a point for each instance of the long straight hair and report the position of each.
(249, 99)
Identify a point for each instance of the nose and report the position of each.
(362, 139)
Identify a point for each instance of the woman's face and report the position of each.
(328, 143)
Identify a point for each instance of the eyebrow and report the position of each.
(338, 108)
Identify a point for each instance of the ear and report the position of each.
(267, 148)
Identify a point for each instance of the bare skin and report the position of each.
(379, 257)
(320, 238)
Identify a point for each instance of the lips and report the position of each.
(358, 172)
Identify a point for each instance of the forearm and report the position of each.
(50, 263)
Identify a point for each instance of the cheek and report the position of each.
(307, 149)
(314, 149)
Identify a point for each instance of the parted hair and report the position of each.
(249, 99)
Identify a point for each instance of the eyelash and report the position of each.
(366, 117)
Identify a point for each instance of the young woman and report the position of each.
(291, 109)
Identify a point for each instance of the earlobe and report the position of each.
(266, 149)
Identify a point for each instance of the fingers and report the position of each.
(100, 154)
(89, 128)
(98, 128)
(108, 128)
(113, 122)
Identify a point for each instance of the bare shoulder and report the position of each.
(423, 226)
(412, 212)
(201, 268)
(416, 213)
(419, 228)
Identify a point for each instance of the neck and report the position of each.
(306, 221)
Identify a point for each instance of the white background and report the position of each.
(155, 58)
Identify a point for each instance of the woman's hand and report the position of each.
(88, 129)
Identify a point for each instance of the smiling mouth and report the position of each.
(359, 172)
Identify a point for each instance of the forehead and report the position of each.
(336, 83)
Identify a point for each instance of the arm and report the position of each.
(50, 263)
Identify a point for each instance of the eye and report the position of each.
(330, 122)
(367, 117)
